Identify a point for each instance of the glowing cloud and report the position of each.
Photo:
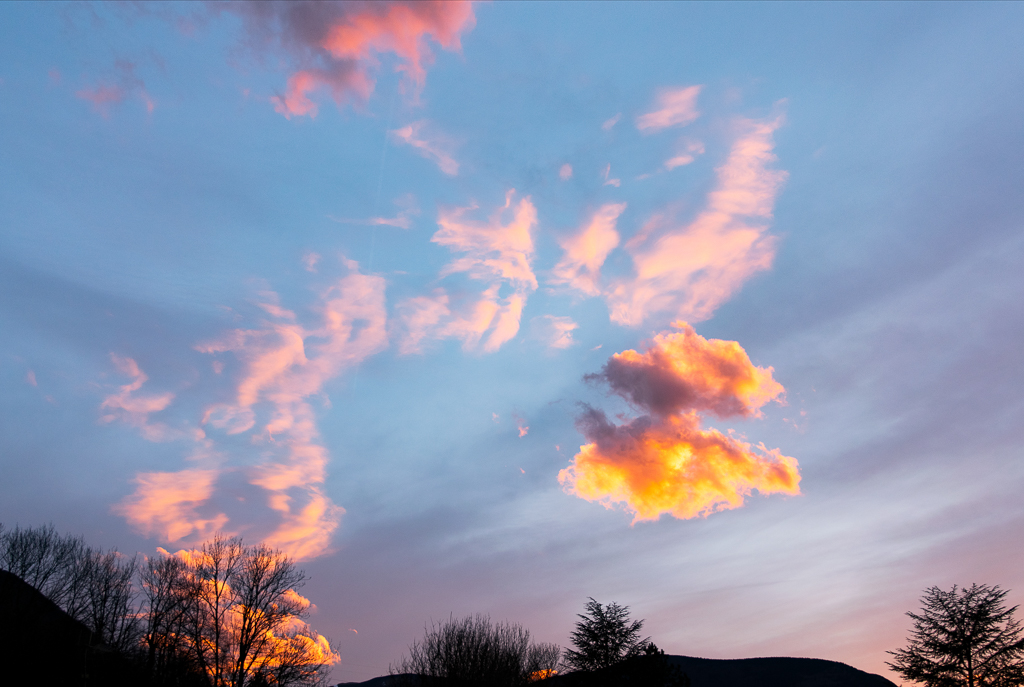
(677, 107)
(431, 146)
(165, 504)
(580, 266)
(521, 425)
(497, 253)
(693, 148)
(664, 462)
(337, 45)
(689, 271)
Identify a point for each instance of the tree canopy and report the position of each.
(964, 637)
(604, 636)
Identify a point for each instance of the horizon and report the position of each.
(710, 310)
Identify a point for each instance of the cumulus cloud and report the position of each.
(676, 107)
(586, 251)
(663, 461)
(496, 252)
(688, 271)
(336, 45)
(430, 145)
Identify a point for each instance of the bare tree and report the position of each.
(47, 561)
(165, 588)
(471, 652)
(963, 637)
(109, 606)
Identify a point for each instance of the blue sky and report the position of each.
(179, 227)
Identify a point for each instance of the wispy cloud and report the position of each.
(664, 461)
(497, 253)
(690, 152)
(586, 251)
(407, 209)
(110, 92)
(565, 173)
(688, 271)
(676, 107)
(430, 145)
(134, 409)
(610, 123)
(554, 331)
(605, 174)
(336, 45)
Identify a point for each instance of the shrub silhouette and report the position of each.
(473, 652)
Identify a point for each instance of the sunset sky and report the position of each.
(711, 310)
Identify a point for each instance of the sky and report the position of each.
(711, 310)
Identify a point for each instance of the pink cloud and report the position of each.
(429, 145)
(677, 107)
(610, 123)
(693, 148)
(555, 331)
(565, 173)
(30, 378)
(134, 409)
(107, 93)
(165, 504)
(496, 252)
(585, 252)
(688, 271)
(521, 425)
(610, 182)
(402, 220)
(337, 45)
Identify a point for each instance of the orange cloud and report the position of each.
(580, 266)
(663, 461)
(165, 504)
(337, 45)
(496, 252)
(430, 145)
(689, 271)
(677, 107)
(672, 466)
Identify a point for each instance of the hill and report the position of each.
(740, 672)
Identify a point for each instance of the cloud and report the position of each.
(310, 260)
(555, 332)
(336, 45)
(133, 409)
(607, 126)
(431, 146)
(521, 425)
(693, 148)
(664, 461)
(565, 173)
(585, 252)
(107, 93)
(498, 253)
(30, 378)
(610, 182)
(403, 220)
(688, 271)
(165, 504)
(284, 366)
(677, 107)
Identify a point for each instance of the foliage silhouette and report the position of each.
(963, 637)
(603, 637)
(472, 652)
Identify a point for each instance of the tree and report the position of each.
(964, 637)
(603, 637)
(471, 652)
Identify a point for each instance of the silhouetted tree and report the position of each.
(963, 637)
(603, 637)
(472, 652)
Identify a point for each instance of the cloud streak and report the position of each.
(663, 461)
(497, 252)
(677, 107)
(585, 252)
(432, 146)
(688, 271)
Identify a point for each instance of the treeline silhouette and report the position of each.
(222, 615)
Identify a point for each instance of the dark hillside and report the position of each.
(742, 672)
